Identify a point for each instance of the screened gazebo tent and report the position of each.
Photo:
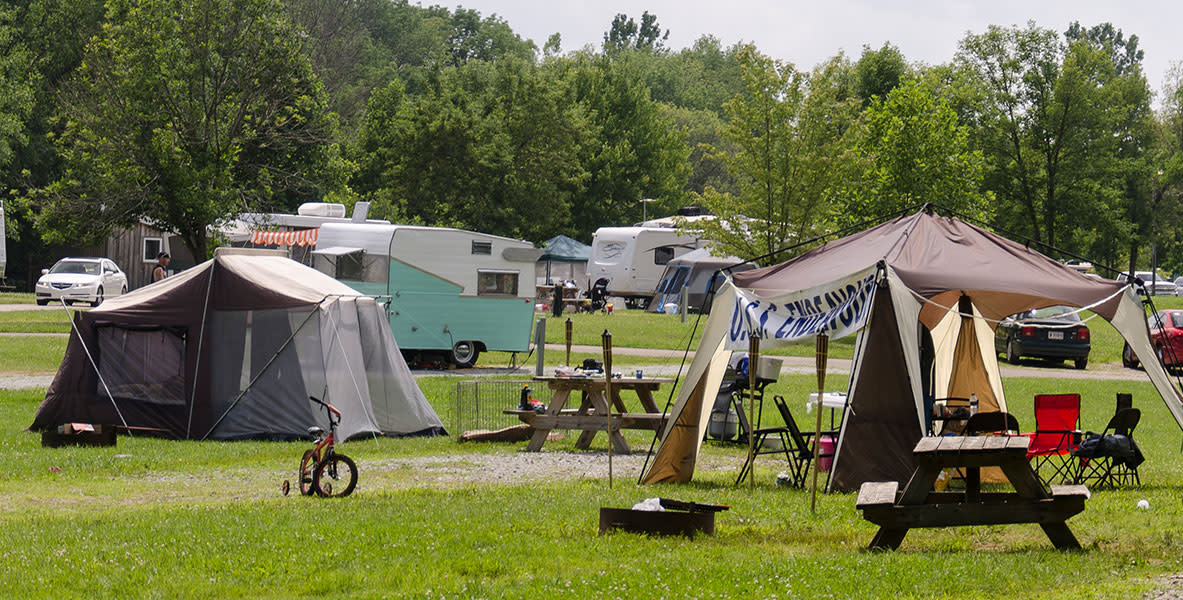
(917, 273)
(232, 349)
(562, 259)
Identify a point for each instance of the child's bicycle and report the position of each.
(322, 470)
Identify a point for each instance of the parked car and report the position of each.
(81, 280)
(1155, 284)
(1054, 332)
(1166, 334)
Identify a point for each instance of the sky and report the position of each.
(807, 33)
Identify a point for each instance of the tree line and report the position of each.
(184, 114)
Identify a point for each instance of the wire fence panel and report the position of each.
(480, 402)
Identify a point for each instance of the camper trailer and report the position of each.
(700, 274)
(453, 293)
(631, 260)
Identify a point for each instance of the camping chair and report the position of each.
(1057, 434)
(1002, 423)
(1111, 458)
(797, 447)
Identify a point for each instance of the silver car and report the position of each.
(81, 280)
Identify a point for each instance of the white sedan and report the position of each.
(81, 280)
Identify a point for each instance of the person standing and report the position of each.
(160, 271)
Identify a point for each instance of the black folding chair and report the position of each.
(797, 447)
(1111, 458)
(1002, 423)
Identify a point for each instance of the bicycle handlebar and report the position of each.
(333, 412)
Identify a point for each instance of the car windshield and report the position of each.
(1059, 313)
(76, 266)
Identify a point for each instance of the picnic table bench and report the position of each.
(591, 416)
(918, 506)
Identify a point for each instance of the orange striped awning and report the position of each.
(300, 237)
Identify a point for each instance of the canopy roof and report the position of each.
(941, 259)
(563, 248)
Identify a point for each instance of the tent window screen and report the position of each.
(144, 365)
(499, 283)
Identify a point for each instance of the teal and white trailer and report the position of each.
(453, 293)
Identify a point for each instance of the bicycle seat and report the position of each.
(315, 431)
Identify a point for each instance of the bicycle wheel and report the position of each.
(306, 465)
(335, 476)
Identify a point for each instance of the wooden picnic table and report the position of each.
(918, 506)
(590, 417)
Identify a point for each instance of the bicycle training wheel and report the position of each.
(335, 476)
(306, 467)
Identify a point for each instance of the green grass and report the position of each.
(32, 354)
(154, 518)
(35, 321)
(17, 298)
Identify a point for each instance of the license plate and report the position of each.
(1055, 335)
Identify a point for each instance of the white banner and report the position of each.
(838, 308)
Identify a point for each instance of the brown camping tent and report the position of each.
(941, 274)
(232, 349)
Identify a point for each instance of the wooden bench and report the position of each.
(917, 505)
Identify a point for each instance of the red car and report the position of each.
(1167, 340)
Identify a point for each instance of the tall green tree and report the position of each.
(878, 72)
(183, 114)
(635, 153)
(793, 134)
(18, 83)
(1048, 126)
(494, 147)
(916, 151)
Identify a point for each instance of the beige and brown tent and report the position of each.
(890, 284)
(232, 349)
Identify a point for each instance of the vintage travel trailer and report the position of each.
(631, 260)
(453, 293)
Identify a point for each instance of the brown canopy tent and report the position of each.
(232, 349)
(890, 284)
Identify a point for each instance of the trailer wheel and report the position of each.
(464, 354)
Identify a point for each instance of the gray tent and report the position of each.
(563, 259)
(694, 271)
(232, 349)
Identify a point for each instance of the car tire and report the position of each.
(1012, 355)
(41, 302)
(1162, 359)
(1081, 363)
(464, 354)
(123, 290)
(98, 297)
(1128, 360)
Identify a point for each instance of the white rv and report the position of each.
(453, 293)
(629, 261)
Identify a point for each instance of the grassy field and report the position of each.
(154, 518)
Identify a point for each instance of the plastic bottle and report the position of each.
(973, 404)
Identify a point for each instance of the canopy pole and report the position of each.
(753, 359)
(823, 349)
(606, 339)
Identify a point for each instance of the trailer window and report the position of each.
(663, 255)
(501, 283)
(482, 247)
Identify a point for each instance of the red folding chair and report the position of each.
(1056, 435)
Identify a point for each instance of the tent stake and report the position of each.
(823, 348)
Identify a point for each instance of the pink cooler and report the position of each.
(826, 444)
